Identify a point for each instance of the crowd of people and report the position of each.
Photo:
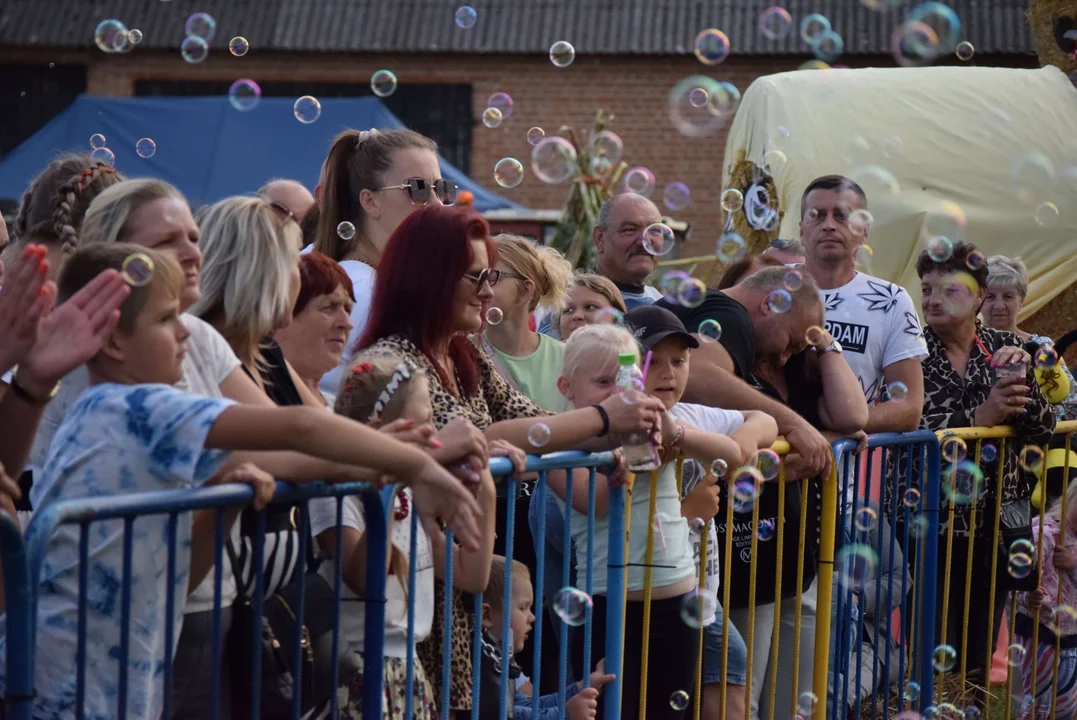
(373, 331)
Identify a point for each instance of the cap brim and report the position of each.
(651, 341)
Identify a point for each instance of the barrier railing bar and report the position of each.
(587, 628)
(506, 614)
(218, 582)
(258, 553)
(540, 570)
(376, 507)
(170, 608)
(80, 653)
(615, 599)
(338, 592)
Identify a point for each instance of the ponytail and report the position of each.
(544, 266)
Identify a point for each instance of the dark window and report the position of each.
(442, 112)
(32, 95)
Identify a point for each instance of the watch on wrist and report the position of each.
(28, 397)
(834, 346)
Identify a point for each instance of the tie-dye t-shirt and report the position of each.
(117, 439)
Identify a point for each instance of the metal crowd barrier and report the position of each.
(888, 521)
(1055, 455)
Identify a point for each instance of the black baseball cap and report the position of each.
(652, 324)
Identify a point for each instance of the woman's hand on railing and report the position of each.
(438, 493)
(407, 431)
(461, 440)
(518, 458)
(260, 481)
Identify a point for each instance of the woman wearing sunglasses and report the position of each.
(372, 181)
(432, 290)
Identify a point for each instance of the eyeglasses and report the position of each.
(506, 273)
(419, 190)
(485, 275)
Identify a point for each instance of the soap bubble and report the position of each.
(944, 658)
(679, 700)
(766, 530)
(135, 36)
(238, 46)
(383, 83)
(940, 248)
(709, 331)
(696, 524)
(494, 316)
(954, 449)
(534, 135)
(194, 49)
(503, 102)
(1047, 357)
(712, 46)
(608, 316)
(767, 462)
(111, 36)
(965, 50)
(307, 109)
(806, 704)
(912, 692)
(244, 95)
(692, 293)
(491, 117)
(911, 497)
(562, 54)
(731, 248)
(509, 172)
(919, 526)
(608, 145)
(719, 468)
(658, 239)
(943, 22)
(963, 483)
(732, 200)
(815, 336)
(670, 284)
(572, 605)
(692, 609)
(345, 230)
(775, 23)
(828, 46)
(1031, 176)
(639, 180)
(866, 519)
(855, 564)
(466, 17)
(1020, 565)
(538, 435)
(553, 160)
(860, 222)
(1023, 545)
(145, 148)
(1064, 621)
(1031, 459)
(812, 26)
(104, 156)
(1046, 214)
(988, 452)
(897, 391)
(676, 196)
(97, 140)
(779, 301)
(793, 280)
(693, 120)
(698, 97)
(137, 269)
(1015, 655)
(200, 25)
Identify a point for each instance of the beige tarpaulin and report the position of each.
(997, 142)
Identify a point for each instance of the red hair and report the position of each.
(320, 275)
(416, 283)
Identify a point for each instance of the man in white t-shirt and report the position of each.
(875, 321)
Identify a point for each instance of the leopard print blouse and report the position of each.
(494, 401)
(950, 401)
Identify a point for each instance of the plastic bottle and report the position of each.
(641, 454)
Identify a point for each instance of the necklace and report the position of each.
(401, 512)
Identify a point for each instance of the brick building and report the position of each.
(629, 54)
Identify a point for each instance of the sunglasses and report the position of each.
(419, 190)
(283, 210)
(485, 276)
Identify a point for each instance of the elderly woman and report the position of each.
(976, 376)
(1007, 286)
(314, 341)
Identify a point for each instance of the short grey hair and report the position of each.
(1006, 273)
(605, 212)
(767, 280)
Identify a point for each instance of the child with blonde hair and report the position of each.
(381, 391)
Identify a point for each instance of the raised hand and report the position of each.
(24, 299)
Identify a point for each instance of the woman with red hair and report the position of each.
(432, 290)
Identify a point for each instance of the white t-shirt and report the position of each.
(117, 439)
(323, 516)
(362, 277)
(876, 323)
(723, 422)
(209, 360)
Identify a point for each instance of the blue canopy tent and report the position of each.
(207, 148)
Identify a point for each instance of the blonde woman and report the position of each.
(527, 274)
(591, 299)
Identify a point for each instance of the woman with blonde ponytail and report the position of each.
(529, 274)
(372, 181)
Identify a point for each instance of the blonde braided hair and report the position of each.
(73, 198)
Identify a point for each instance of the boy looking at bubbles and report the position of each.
(132, 431)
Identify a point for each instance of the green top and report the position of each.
(536, 374)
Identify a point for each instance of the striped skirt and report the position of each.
(1043, 659)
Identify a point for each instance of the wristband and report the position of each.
(605, 420)
(28, 397)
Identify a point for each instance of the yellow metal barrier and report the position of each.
(978, 436)
(824, 581)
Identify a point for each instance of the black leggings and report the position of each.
(672, 656)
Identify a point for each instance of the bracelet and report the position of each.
(680, 436)
(28, 397)
(605, 420)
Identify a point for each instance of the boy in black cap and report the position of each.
(664, 337)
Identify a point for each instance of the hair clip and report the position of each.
(401, 372)
(362, 367)
(364, 134)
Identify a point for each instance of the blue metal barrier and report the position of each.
(906, 516)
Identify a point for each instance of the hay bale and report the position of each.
(1042, 15)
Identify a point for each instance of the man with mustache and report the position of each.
(618, 238)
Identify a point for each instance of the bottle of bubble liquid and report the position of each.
(641, 454)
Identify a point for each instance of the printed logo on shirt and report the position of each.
(852, 337)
